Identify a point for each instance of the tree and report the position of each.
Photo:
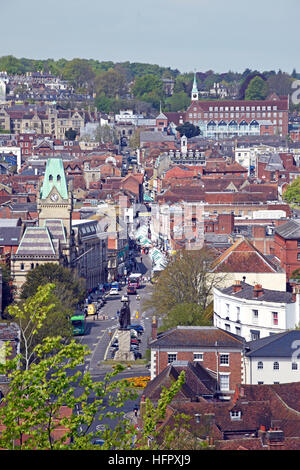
(292, 193)
(111, 83)
(188, 129)
(149, 88)
(31, 412)
(79, 73)
(70, 134)
(68, 292)
(187, 279)
(106, 134)
(69, 288)
(257, 89)
(186, 314)
(152, 416)
(177, 102)
(280, 83)
(7, 286)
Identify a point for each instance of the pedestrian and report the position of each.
(118, 313)
(135, 410)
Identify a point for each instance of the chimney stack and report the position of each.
(237, 287)
(258, 291)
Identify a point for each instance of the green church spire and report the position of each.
(54, 177)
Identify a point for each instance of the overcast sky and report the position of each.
(185, 34)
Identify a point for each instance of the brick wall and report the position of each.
(209, 362)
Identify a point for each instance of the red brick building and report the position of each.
(225, 117)
(287, 246)
(217, 350)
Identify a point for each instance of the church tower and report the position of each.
(55, 204)
(195, 92)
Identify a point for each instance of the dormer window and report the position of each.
(235, 415)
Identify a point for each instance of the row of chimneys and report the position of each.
(257, 289)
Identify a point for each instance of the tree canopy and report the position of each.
(187, 279)
(188, 129)
(292, 192)
(257, 89)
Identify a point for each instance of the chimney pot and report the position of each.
(237, 286)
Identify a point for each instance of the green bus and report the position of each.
(78, 324)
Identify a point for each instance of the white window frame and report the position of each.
(224, 355)
(198, 359)
(223, 376)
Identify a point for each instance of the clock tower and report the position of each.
(55, 202)
(195, 92)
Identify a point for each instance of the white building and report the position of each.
(274, 359)
(254, 312)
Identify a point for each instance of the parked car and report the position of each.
(137, 328)
(114, 291)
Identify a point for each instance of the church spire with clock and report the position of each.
(195, 92)
(54, 201)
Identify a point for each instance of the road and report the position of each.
(100, 332)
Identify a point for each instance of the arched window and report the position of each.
(58, 178)
(276, 365)
(260, 365)
(22, 266)
(32, 265)
(50, 178)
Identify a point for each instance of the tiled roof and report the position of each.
(243, 257)
(198, 381)
(197, 336)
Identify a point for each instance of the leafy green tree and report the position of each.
(7, 286)
(69, 288)
(188, 129)
(103, 103)
(177, 102)
(186, 314)
(111, 83)
(292, 192)
(70, 134)
(149, 88)
(31, 412)
(257, 89)
(79, 73)
(11, 65)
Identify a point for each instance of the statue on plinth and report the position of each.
(124, 317)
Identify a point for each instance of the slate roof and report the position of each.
(10, 236)
(197, 337)
(36, 241)
(290, 230)
(277, 345)
(56, 229)
(268, 295)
